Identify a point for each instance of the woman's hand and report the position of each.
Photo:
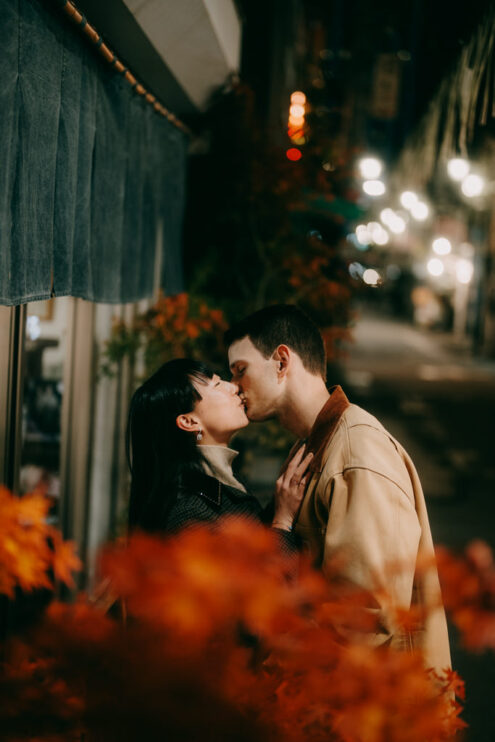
(290, 488)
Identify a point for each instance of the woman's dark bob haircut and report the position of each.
(159, 453)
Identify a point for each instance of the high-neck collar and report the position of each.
(325, 425)
(218, 464)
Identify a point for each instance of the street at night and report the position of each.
(247, 371)
(439, 402)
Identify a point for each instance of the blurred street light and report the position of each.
(374, 187)
(296, 110)
(298, 98)
(397, 224)
(472, 185)
(457, 168)
(379, 235)
(362, 234)
(356, 270)
(393, 221)
(464, 270)
(370, 168)
(296, 128)
(293, 154)
(420, 211)
(371, 277)
(442, 246)
(296, 121)
(435, 267)
(387, 215)
(408, 199)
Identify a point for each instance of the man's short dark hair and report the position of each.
(283, 324)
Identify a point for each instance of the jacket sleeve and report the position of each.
(190, 511)
(370, 549)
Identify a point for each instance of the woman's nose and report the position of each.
(234, 387)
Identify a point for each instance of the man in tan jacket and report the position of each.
(363, 500)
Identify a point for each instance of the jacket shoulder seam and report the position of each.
(378, 428)
(378, 473)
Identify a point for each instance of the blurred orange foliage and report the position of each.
(468, 588)
(29, 547)
(174, 327)
(221, 642)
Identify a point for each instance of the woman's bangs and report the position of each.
(201, 378)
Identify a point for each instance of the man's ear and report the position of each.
(188, 422)
(282, 357)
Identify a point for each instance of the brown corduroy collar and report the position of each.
(324, 426)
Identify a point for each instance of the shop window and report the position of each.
(45, 347)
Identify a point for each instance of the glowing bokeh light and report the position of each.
(374, 187)
(464, 270)
(33, 327)
(296, 121)
(472, 185)
(435, 267)
(370, 168)
(298, 98)
(457, 168)
(387, 215)
(408, 199)
(420, 211)
(356, 270)
(379, 235)
(441, 246)
(293, 154)
(397, 225)
(381, 238)
(362, 234)
(371, 277)
(296, 110)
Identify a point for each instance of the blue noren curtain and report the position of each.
(88, 170)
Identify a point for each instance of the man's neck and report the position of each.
(303, 406)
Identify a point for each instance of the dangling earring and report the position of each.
(199, 435)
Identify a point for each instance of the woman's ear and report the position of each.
(189, 423)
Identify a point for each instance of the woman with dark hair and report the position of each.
(180, 423)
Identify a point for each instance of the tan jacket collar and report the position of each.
(324, 426)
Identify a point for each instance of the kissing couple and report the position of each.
(348, 487)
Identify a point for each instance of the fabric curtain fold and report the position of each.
(92, 179)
